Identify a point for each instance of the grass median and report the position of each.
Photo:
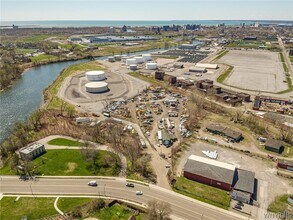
(65, 142)
(223, 76)
(202, 192)
(280, 204)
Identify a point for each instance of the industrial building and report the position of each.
(187, 46)
(285, 164)
(31, 151)
(225, 131)
(197, 69)
(95, 75)
(96, 87)
(221, 175)
(109, 39)
(274, 145)
(209, 172)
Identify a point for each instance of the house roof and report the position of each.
(273, 143)
(286, 162)
(211, 169)
(244, 180)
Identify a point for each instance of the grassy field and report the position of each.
(223, 76)
(279, 204)
(115, 212)
(202, 192)
(65, 142)
(32, 208)
(51, 93)
(291, 59)
(245, 44)
(68, 204)
(150, 79)
(69, 163)
(43, 57)
(24, 51)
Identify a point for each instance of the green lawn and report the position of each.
(51, 92)
(32, 208)
(65, 142)
(202, 192)
(223, 76)
(34, 38)
(279, 204)
(68, 204)
(24, 51)
(70, 163)
(43, 57)
(116, 212)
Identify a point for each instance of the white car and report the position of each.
(139, 193)
(92, 183)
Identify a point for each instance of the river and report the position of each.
(26, 95)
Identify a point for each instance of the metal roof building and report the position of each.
(210, 172)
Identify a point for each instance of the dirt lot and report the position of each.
(255, 70)
(269, 184)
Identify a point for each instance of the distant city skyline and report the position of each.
(33, 10)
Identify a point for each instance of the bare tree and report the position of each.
(35, 119)
(158, 210)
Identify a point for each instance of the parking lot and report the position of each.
(255, 70)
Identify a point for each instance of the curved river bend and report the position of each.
(26, 95)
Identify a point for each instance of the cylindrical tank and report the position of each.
(151, 66)
(131, 61)
(146, 57)
(139, 59)
(96, 87)
(95, 75)
(133, 67)
(117, 57)
(111, 59)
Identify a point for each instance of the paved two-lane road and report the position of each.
(182, 207)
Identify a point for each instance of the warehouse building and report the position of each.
(224, 131)
(207, 65)
(221, 175)
(32, 151)
(274, 145)
(209, 172)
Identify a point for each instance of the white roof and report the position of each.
(212, 162)
(96, 85)
(207, 65)
(94, 73)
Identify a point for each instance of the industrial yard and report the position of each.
(255, 70)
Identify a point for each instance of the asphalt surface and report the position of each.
(182, 207)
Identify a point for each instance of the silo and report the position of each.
(151, 66)
(117, 57)
(96, 87)
(111, 59)
(95, 75)
(146, 57)
(131, 61)
(133, 67)
(139, 59)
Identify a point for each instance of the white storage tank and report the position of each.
(131, 61)
(95, 75)
(139, 59)
(96, 87)
(111, 59)
(151, 66)
(133, 67)
(146, 57)
(117, 57)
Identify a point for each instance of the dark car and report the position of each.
(238, 207)
(129, 184)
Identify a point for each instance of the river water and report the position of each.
(26, 95)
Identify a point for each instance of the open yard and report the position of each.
(255, 70)
(72, 163)
(202, 192)
(32, 208)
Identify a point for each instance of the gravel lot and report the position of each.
(255, 70)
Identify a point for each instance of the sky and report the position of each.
(36, 10)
